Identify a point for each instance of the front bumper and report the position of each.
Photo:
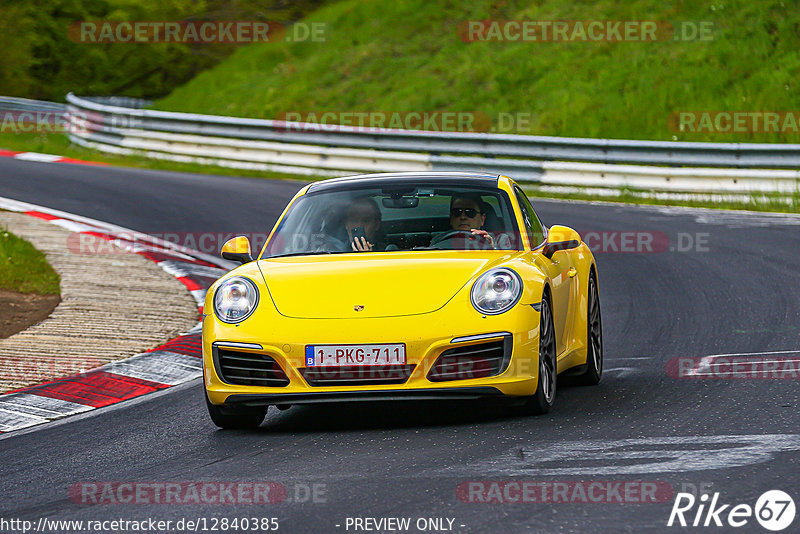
(455, 393)
(426, 337)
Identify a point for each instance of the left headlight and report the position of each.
(496, 291)
(235, 299)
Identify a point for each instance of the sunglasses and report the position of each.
(470, 212)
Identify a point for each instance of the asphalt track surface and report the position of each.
(737, 293)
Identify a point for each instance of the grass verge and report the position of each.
(24, 269)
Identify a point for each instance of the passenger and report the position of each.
(364, 212)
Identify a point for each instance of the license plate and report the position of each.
(344, 355)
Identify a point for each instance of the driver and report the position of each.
(467, 214)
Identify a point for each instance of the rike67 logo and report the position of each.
(774, 510)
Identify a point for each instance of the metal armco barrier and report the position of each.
(10, 103)
(328, 150)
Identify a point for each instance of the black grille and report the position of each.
(472, 361)
(249, 369)
(357, 375)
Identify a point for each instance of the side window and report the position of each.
(532, 224)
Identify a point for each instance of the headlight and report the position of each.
(496, 291)
(235, 299)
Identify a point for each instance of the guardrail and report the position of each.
(121, 126)
(10, 103)
(26, 104)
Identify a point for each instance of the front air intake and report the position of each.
(481, 360)
(249, 368)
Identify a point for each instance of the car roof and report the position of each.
(432, 178)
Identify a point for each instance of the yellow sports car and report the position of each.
(439, 285)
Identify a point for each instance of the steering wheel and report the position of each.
(330, 243)
(454, 234)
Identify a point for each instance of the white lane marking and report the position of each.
(734, 221)
(36, 156)
(734, 374)
(730, 218)
(785, 360)
(753, 353)
(160, 366)
(180, 269)
(788, 367)
(638, 358)
(623, 371)
(75, 226)
(707, 362)
(636, 456)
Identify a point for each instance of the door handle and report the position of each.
(572, 272)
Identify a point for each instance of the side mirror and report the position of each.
(237, 249)
(560, 238)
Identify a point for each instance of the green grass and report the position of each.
(59, 144)
(406, 55)
(24, 269)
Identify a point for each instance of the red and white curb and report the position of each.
(45, 158)
(172, 363)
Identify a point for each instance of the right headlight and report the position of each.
(496, 291)
(235, 299)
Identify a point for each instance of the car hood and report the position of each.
(382, 285)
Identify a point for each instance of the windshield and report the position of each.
(403, 218)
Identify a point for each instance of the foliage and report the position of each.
(407, 56)
(43, 60)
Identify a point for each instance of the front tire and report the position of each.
(235, 418)
(545, 396)
(594, 338)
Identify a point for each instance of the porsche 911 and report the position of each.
(418, 286)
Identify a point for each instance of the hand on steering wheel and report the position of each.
(484, 234)
(466, 234)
